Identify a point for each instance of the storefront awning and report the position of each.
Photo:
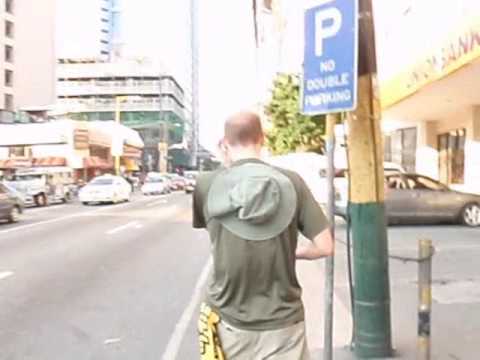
(94, 162)
(50, 161)
(15, 163)
(132, 152)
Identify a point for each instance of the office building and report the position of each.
(147, 99)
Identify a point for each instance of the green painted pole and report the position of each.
(372, 324)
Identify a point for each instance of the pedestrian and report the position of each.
(253, 213)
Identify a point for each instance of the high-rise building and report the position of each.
(87, 29)
(145, 98)
(27, 70)
(165, 34)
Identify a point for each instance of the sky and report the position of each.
(227, 64)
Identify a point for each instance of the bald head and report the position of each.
(244, 129)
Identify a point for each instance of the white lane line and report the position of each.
(176, 339)
(123, 227)
(51, 221)
(112, 341)
(5, 274)
(158, 202)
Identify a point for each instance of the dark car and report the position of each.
(413, 198)
(11, 204)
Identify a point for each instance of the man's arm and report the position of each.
(314, 226)
(321, 246)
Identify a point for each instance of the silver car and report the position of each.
(412, 198)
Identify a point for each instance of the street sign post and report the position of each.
(330, 57)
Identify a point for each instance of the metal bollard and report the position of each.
(425, 250)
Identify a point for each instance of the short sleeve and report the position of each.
(312, 219)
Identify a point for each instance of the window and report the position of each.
(402, 147)
(451, 148)
(9, 6)
(17, 151)
(424, 183)
(9, 53)
(9, 29)
(8, 102)
(8, 78)
(396, 183)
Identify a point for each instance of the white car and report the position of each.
(105, 189)
(155, 185)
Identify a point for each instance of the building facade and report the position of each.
(431, 101)
(140, 94)
(85, 147)
(27, 70)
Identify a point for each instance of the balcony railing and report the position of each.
(76, 105)
(101, 87)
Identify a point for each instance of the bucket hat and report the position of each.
(253, 201)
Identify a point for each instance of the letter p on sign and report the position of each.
(327, 24)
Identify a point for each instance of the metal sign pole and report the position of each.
(330, 261)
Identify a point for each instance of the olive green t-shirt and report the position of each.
(253, 284)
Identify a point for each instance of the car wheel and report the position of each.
(14, 215)
(85, 203)
(41, 200)
(67, 198)
(471, 215)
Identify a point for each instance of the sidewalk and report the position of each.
(455, 326)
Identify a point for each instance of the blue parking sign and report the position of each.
(330, 57)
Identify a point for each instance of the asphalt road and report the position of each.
(123, 281)
(100, 282)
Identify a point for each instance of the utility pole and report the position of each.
(372, 323)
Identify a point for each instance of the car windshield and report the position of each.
(102, 181)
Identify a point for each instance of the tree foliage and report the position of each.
(289, 130)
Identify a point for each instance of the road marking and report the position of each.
(123, 227)
(112, 341)
(5, 274)
(67, 217)
(158, 202)
(176, 339)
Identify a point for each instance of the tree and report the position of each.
(289, 130)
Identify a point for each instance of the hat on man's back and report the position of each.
(253, 201)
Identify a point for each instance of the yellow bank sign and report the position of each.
(460, 50)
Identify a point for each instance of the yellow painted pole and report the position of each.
(425, 252)
(118, 100)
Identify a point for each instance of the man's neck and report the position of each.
(244, 153)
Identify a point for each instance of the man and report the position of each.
(253, 213)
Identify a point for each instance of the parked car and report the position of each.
(11, 204)
(190, 182)
(155, 185)
(413, 198)
(106, 189)
(44, 185)
(341, 179)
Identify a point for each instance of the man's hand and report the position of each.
(322, 246)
